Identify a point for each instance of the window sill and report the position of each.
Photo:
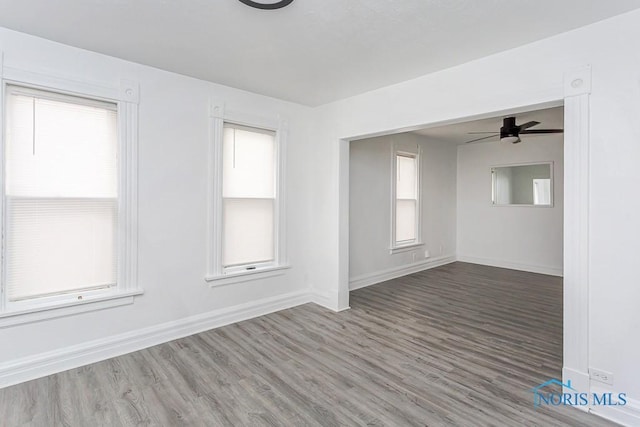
(50, 311)
(246, 276)
(405, 248)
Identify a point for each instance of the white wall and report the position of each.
(173, 138)
(523, 237)
(513, 81)
(370, 207)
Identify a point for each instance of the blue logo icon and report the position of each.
(569, 396)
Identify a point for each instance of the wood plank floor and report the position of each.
(457, 345)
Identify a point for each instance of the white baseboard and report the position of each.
(551, 271)
(52, 362)
(579, 382)
(395, 272)
(627, 415)
(327, 300)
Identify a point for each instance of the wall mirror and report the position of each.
(522, 185)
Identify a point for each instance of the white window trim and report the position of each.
(216, 274)
(126, 97)
(405, 248)
(94, 303)
(394, 246)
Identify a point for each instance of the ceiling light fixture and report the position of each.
(267, 5)
(514, 139)
(510, 132)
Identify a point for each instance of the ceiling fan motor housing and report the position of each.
(509, 129)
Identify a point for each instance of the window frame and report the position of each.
(395, 246)
(261, 264)
(217, 274)
(125, 97)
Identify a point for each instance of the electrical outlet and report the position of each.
(426, 254)
(602, 376)
(413, 254)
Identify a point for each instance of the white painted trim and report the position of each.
(214, 190)
(577, 82)
(219, 114)
(405, 248)
(253, 119)
(395, 272)
(128, 187)
(74, 86)
(37, 314)
(541, 269)
(576, 221)
(342, 290)
(3, 87)
(328, 301)
(280, 231)
(627, 415)
(126, 96)
(579, 383)
(48, 363)
(129, 91)
(246, 276)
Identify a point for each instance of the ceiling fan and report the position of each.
(267, 5)
(510, 131)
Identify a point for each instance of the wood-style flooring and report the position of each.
(459, 345)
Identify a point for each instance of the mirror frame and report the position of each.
(493, 184)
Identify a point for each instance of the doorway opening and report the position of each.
(575, 217)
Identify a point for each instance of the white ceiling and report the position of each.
(550, 118)
(311, 52)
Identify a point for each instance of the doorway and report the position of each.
(575, 219)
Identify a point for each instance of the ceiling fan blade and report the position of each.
(532, 131)
(484, 137)
(473, 133)
(528, 125)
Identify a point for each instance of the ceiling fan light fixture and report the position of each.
(267, 5)
(510, 131)
(514, 139)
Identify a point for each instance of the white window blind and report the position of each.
(61, 189)
(249, 195)
(406, 198)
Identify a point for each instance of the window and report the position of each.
(542, 191)
(406, 201)
(60, 194)
(65, 223)
(246, 216)
(249, 197)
